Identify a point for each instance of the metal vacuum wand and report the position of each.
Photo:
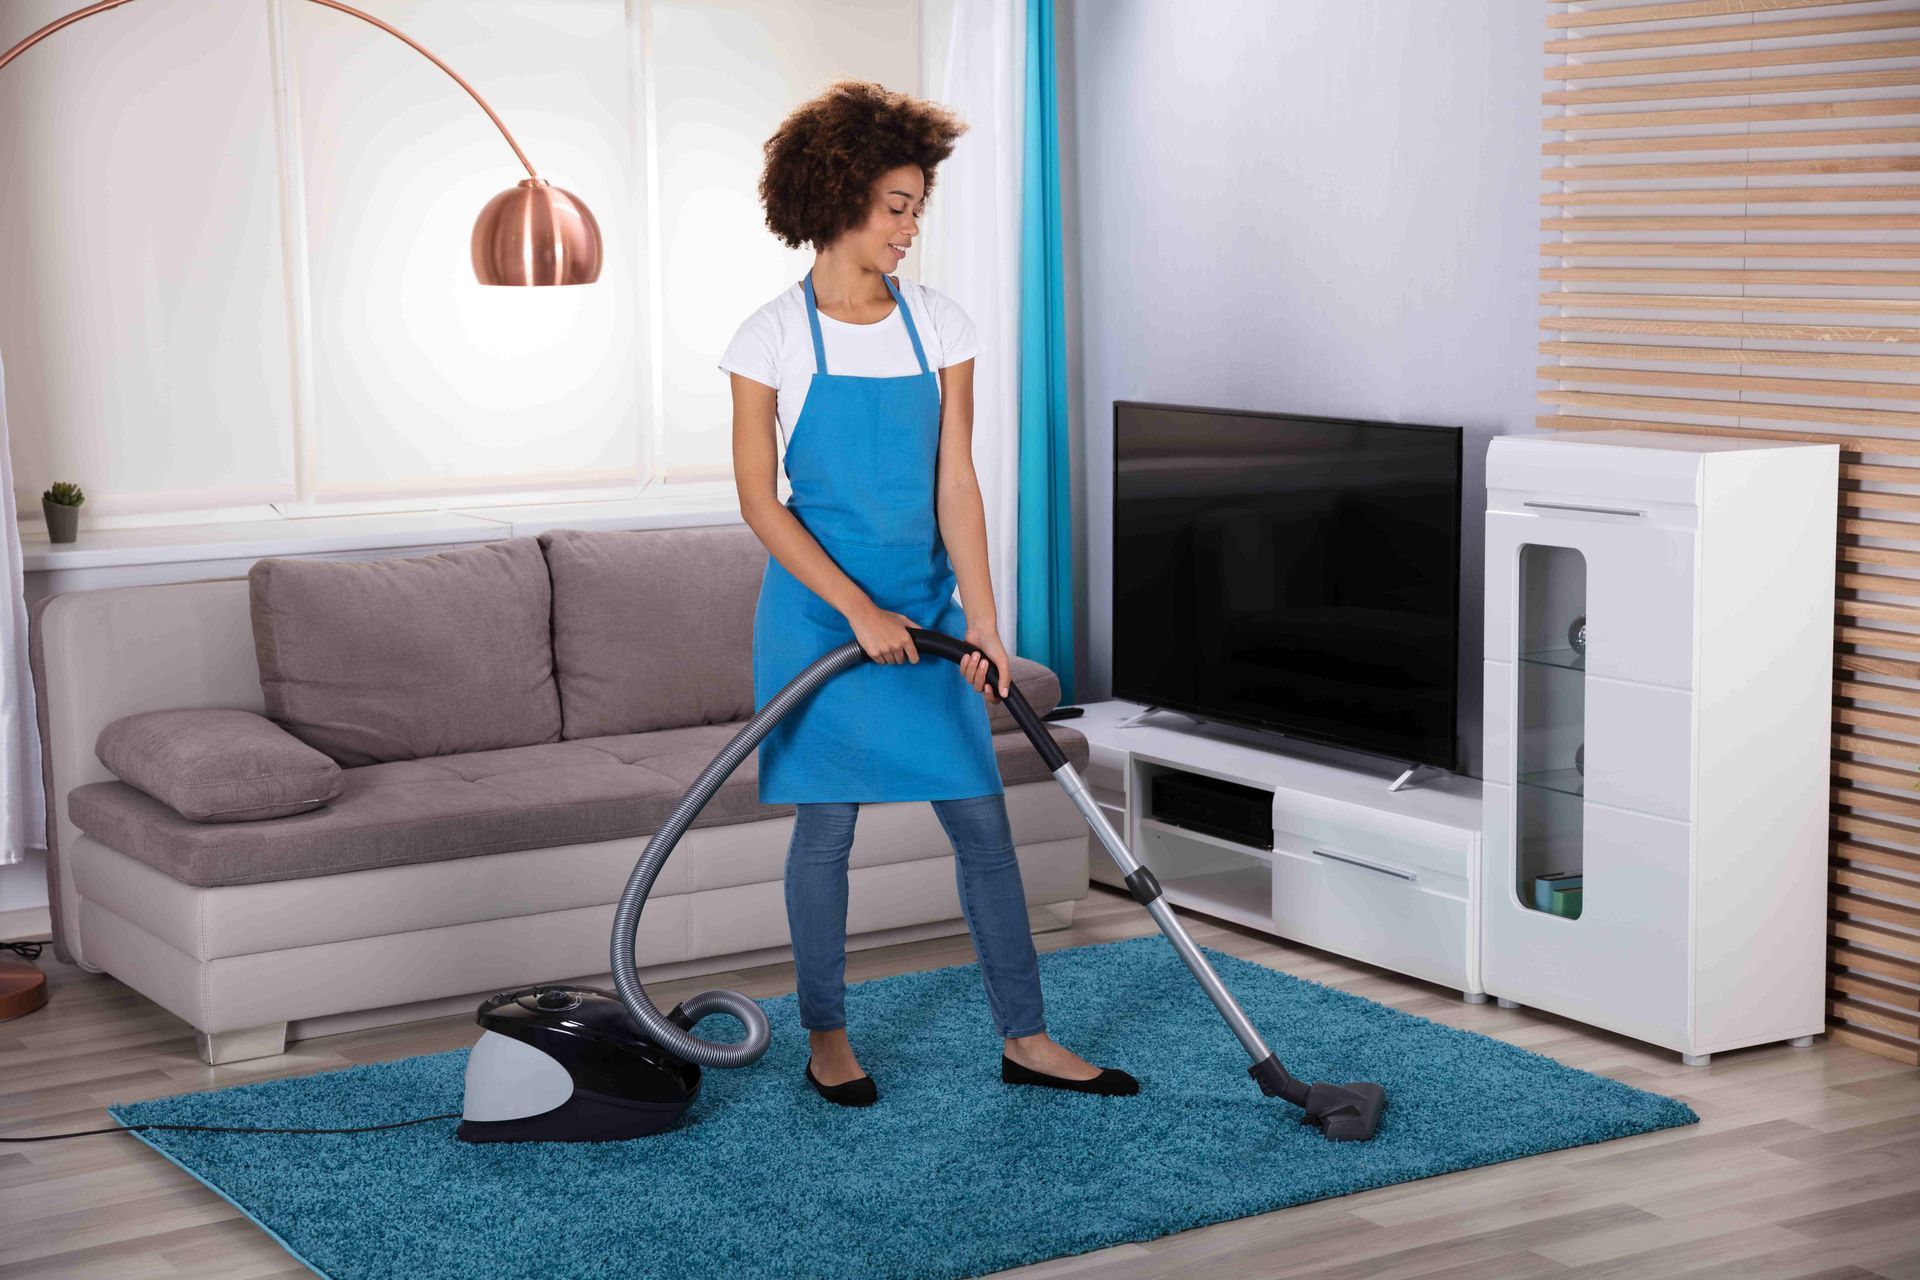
(1345, 1112)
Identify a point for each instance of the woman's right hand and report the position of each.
(883, 634)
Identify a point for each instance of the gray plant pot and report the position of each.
(63, 522)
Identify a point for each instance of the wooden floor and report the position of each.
(1806, 1161)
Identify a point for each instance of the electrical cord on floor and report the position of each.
(31, 951)
(219, 1128)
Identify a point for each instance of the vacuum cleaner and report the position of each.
(562, 1063)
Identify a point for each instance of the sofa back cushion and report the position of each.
(653, 628)
(408, 656)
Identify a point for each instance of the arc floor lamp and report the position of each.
(533, 233)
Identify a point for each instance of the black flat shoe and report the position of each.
(858, 1092)
(1112, 1081)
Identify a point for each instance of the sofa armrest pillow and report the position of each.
(405, 657)
(1037, 684)
(217, 765)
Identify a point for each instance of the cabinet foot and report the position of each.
(1696, 1059)
(1801, 1042)
(1505, 1003)
(1473, 997)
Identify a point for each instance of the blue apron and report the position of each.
(861, 461)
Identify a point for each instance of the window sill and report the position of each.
(316, 535)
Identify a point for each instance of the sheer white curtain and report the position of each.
(978, 53)
(22, 808)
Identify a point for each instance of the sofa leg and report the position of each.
(220, 1047)
(1051, 915)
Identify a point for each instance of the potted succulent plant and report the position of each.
(61, 505)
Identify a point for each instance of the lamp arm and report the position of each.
(103, 5)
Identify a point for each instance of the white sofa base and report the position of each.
(396, 944)
(219, 1047)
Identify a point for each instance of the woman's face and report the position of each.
(898, 201)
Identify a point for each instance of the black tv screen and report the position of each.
(1292, 573)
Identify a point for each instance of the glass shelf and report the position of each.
(1567, 658)
(1566, 781)
(1550, 720)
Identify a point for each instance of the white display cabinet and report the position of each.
(1658, 685)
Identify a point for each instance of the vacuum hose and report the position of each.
(1343, 1112)
(674, 1031)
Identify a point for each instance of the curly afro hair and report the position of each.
(823, 159)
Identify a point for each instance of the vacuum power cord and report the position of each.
(222, 1128)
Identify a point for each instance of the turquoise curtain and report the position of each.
(1045, 627)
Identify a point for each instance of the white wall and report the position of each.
(1323, 206)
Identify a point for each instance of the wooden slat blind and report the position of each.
(1729, 250)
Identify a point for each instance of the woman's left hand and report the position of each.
(972, 666)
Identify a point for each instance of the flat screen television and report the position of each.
(1291, 573)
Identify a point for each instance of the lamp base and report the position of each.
(23, 988)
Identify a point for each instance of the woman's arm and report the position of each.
(963, 522)
(756, 463)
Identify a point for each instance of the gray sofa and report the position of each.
(511, 720)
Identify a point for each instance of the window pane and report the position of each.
(425, 381)
(725, 73)
(142, 267)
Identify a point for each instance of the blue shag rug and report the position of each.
(951, 1173)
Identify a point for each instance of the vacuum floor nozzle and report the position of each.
(1345, 1112)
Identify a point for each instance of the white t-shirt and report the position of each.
(774, 345)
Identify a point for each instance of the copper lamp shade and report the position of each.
(536, 233)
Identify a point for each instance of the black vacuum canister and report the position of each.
(561, 1063)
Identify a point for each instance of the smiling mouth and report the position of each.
(899, 249)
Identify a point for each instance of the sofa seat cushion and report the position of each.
(456, 806)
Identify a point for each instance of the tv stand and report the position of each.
(1390, 877)
(1144, 712)
(1404, 778)
(1139, 716)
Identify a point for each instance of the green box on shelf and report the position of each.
(1558, 893)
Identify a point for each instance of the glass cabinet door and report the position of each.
(1550, 728)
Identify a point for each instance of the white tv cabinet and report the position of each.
(1388, 877)
(1679, 761)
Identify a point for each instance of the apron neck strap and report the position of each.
(907, 315)
(813, 322)
(820, 347)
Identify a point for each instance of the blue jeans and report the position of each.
(991, 896)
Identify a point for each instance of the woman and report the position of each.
(878, 450)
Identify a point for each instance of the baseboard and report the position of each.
(24, 923)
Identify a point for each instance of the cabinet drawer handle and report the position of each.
(1574, 506)
(1399, 872)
